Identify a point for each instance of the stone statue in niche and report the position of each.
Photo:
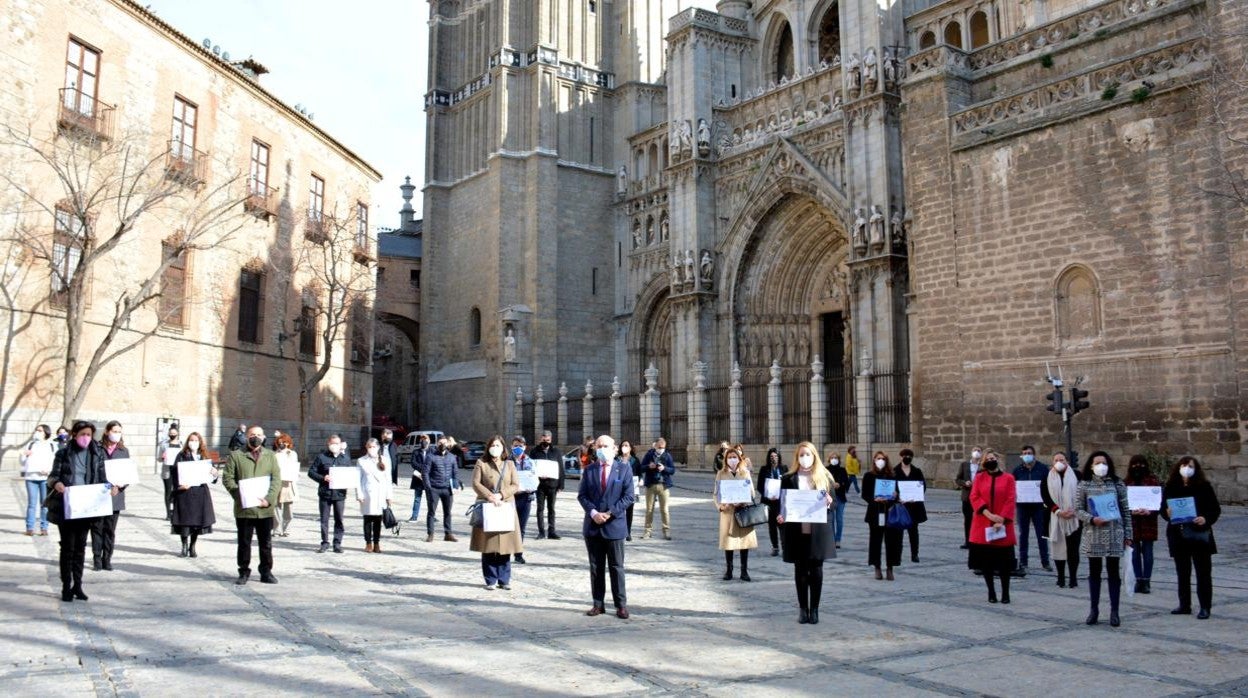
(686, 137)
(860, 229)
(704, 138)
(664, 230)
(673, 143)
(621, 180)
(853, 73)
(708, 269)
(898, 226)
(636, 235)
(676, 269)
(876, 223)
(892, 69)
(869, 66)
(690, 277)
(650, 231)
(509, 345)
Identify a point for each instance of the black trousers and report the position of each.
(337, 507)
(1203, 562)
(546, 491)
(1111, 566)
(372, 529)
(773, 527)
(168, 497)
(263, 530)
(606, 555)
(73, 550)
(433, 495)
(967, 514)
(913, 534)
(808, 577)
(104, 537)
(890, 540)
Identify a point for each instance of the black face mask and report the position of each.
(386, 439)
(255, 442)
(990, 465)
(907, 460)
(441, 449)
(545, 444)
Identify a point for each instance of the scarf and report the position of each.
(1064, 491)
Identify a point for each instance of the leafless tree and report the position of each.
(1224, 98)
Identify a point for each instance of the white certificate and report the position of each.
(88, 501)
(1148, 497)
(344, 478)
(735, 491)
(546, 469)
(636, 486)
(498, 519)
(771, 488)
(194, 472)
(290, 468)
(911, 490)
(804, 506)
(992, 533)
(1027, 492)
(251, 490)
(527, 480)
(170, 456)
(121, 472)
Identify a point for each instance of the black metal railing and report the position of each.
(550, 417)
(892, 406)
(795, 394)
(186, 165)
(718, 414)
(526, 426)
(82, 114)
(755, 413)
(261, 200)
(842, 409)
(316, 228)
(630, 421)
(602, 416)
(576, 431)
(674, 423)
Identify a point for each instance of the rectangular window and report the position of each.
(67, 242)
(258, 180)
(173, 287)
(361, 226)
(414, 277)
(82, 71)
(250, 294)
(593, 288)
(316, 199)
(308, 331)
(182, 139)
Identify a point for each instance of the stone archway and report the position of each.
(656, 342)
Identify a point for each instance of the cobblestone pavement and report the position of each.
(415, 620)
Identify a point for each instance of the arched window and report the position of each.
(1078, 306)
(474, 327)
(636, 233)
(654, 160)
(784, 53)
(927, 40)
(650, 230)
(830, 35)
(953, 34)
(979, 29)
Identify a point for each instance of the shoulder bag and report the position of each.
(899, 517)
(755, 514)
(474, 511)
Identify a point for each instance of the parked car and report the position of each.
(473, 451)
(572, 463)
(409, 444)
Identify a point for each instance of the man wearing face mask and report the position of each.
(523, 499)
(440, 472)
(420, 467)
(966, 475)
(605, 494)
(1030, 515)
(330, 499)
(657, 467)
(387, 454)
(255, 461)
(547, 487)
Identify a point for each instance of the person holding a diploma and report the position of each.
(1191, 541)
(917, 510)
(104, 533)
(284, 450)
(254, 462)
(79, 463)
(524, 500)
(494, 472)
(375, 493)
(733, 536)
(170, 440)
(773, 469)
(331, 499)
(1143, 525)
(878, 504)
(192, 505)
(993, 498)
(547, 487)
(1107, 533)
(1060, 493)
(1030, 515)
(807, 545)
(36, 462)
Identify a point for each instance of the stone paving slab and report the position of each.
(415, 620)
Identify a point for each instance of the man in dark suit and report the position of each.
(606, 493)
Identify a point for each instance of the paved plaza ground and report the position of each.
(416, 621)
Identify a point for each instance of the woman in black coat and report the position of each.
(882, 536)
(1191, 543)
(81, 462)
(104, 533)
(807, 545)
(917, 510)
(193, 515)
(773, 469)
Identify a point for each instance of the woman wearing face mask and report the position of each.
(773, 469)
(493, 472)
(993, 499)
(1060, 494)
(79, 463)
(840, 488)
(171, 440)
(807, 545)
(375, 493)
(733, 536)
(36, 462)
(283, 513)
(1104, 539)
(524, 500)
(193, 515)
(882, 536)
(917, 510)
(634, 465)
(104, 533)
(1191, 543)
(62, 437)
(1143, 525)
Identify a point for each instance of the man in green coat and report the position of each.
(255, 461)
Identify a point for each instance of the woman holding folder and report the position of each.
(878, 504)
(733, 536)
(1107, 532)
(1191, 507)
(104, 533)
(288, 462)
(1143, 525)
(193, 515)
(992, 525)
(376, 491)
(773, 469)
(495, 484)
(909, 472)
(807, 545)
(81, 462)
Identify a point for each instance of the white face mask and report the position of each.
(335, 449)
(193, 445)
(114, 436)
(1060, 466)
(835, 461)
(1100, 469)
(1187, 471)
(496, 451)
(372, 451)
(806, 461)
(975, 455)
(660, 450)
(879, 462)
(733, 462)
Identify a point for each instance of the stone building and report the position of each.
(828, 220)
(396, 334)
(237, 312)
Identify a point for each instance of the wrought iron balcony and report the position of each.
(318, 227)
(186, 165)
(81, 114)
(261, 200)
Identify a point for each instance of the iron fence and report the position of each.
(674, 422)
(842, 409)
(718, 414)
(630, 420)
(602, 416)
(795, 394)
(892, 406)
(755, 413)
(526, 427)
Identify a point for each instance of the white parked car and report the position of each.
(413, 439)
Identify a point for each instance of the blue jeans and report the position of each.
(36, 492)
(496, 568)
(1031, 516)
(417, 496)
(1142, 559)
(524, 502)
(838, 525)
(853, 482)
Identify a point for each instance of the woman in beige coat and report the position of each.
(731, 535)
(496, 548)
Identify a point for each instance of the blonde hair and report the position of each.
(819, 475)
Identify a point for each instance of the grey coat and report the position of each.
(1108, 540)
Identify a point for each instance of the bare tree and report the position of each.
(80, 203)
(33, 378)
(1224, 98)
(332, 265)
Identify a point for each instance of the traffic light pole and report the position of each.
(1070, 438)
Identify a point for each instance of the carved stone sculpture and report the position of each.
(676, 270)
(686, 137)
(898, 229)
(636, 236)
(509, 345)
(690, 277)
(621, 180)
(892, 69)
(664, 230)
(876, 223)
(704, 138)
(869, 66)
(860, 229)
(853, 73)
(708, 269)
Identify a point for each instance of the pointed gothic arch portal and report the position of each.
(656, 342)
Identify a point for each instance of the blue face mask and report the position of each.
(606, 455)
(1028, 458)
(517, 450)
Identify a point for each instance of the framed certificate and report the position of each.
(88, 501)
(1182, 509)
(1105, 506)
(804, 506)
(734, 492)
(911, 490)
(528, 480)
(344, 478)
(1027, 492)
(121, 472)
(771, 488)
(546, 469)
(1148, 497)
(886, 489)
(194, 472)
(498, 519)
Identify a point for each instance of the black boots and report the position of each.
(243, 576)
(191, 550)
(1061, 572)
(186, 548)
(803, 616)
(1094, 592)
(1115, 592)
(813, 616)
(745, 567)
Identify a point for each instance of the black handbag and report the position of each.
(1194, 537)
(55, 504)
(388, 519)
(751, 515)
(899, 517)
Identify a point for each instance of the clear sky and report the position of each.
(359, 66)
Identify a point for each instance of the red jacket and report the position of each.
(996, 494)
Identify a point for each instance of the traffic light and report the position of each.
(1055, 401)
(1078, 400)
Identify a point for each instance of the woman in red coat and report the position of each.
(992, 498)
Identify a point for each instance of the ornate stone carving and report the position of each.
(509, 346)
(704, 138)
(860, 230)
(853, 74)
(686, 138)
(677, 272)
(892, 70)
(689, 278)
(708, 270)
(621, 180)
(876, 223)
(869, 67)
(898, 225)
